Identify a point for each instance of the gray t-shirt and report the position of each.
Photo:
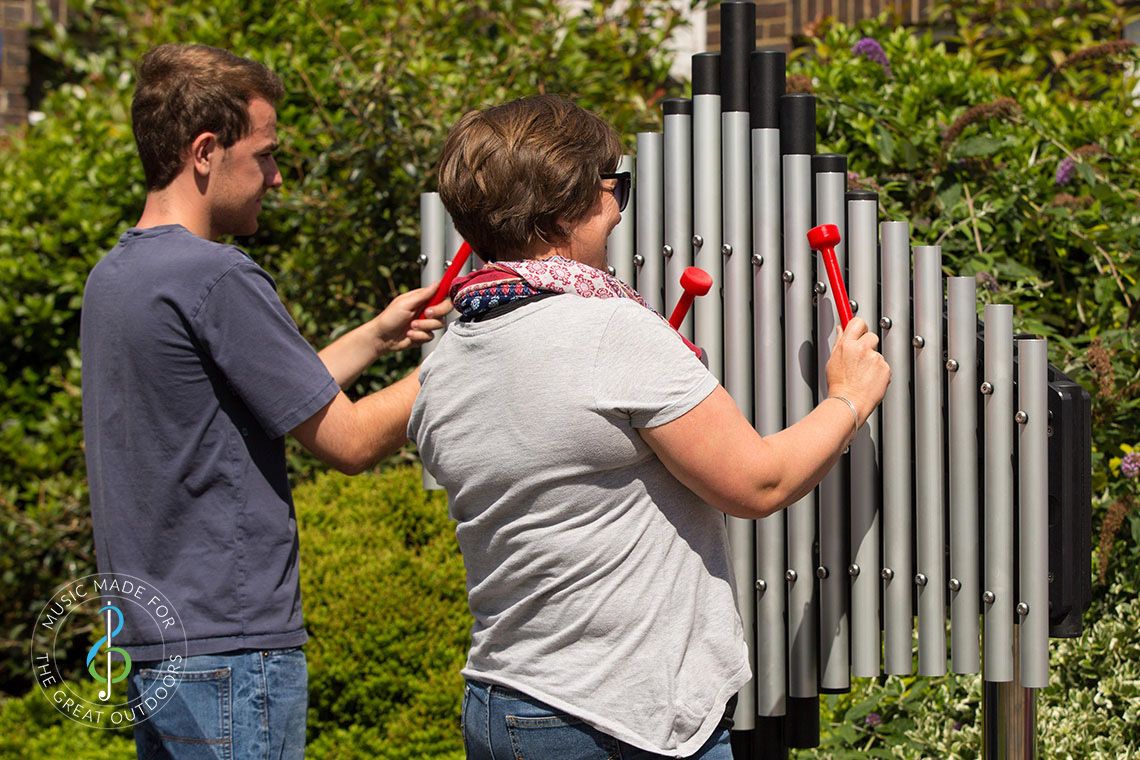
(192, 374)
(598, 583)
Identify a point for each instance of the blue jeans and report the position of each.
(235, 705)
(502, 724)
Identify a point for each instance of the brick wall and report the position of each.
(16, 18)
(777, 21)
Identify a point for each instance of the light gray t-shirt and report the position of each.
(598, 583)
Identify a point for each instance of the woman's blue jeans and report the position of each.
(239, 705)
(502, 724)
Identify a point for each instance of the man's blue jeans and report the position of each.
(502, 724)
(247, 704)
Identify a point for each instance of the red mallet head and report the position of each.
(695, 282)
(824, 238)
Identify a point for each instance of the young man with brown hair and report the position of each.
(193, 372)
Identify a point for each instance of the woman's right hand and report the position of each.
(856, 370)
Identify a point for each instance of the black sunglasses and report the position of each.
(622, 187)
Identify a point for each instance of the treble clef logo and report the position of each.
(109, 678)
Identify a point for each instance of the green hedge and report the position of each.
(386, 609)
(385, 602)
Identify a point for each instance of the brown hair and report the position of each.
(513, 174)
(185, 90)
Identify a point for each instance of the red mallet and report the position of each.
(448, 277)
(824, 238)
(695, 282)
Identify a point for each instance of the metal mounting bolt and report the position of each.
(757, 260)
(1022, 609)
(853, 570)
(887, 574)
(989, 597)
(667, 250)
(820, 288)
(955, 585)
(788, 276)
(885, 323)
(790, 576)
(638, 260)
(761, 585)
(698, 241)
(918, 341)
(920, 579)
(422, 259)
(612, 271)
(821, 572)
(952, 365)
(726, 250)
(987, 388)
(1021, 417)
(854, 306)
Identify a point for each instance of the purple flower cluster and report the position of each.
(1130, 465)
(873, 719)
(1065, 171)
(870, 49)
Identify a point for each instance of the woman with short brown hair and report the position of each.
(588, 456)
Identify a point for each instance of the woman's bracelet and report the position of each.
(854, 420)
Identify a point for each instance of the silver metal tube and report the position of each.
(866, 450)
(930, 506)
(1009, 718)
(678, 247)
(708, 309)
(737, 196)
(738, 38)
(835, 673)
(737, 262)
(619, 246)
(898, 525)
(768, 392)
(997, 595)
(649, 214)
(1033, 511)
(800, 399)
(433, 221)
(962, 384)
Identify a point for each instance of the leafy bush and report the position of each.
(30, 726)
(372, 89)
(386, 608)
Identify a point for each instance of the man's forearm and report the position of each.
(350, 354)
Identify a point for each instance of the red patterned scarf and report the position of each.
(500, 283)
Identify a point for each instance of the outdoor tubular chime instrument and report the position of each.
(966, 496)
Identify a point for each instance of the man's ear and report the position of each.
(203, 150)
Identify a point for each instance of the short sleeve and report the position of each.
(243, 326)
(644, 371)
